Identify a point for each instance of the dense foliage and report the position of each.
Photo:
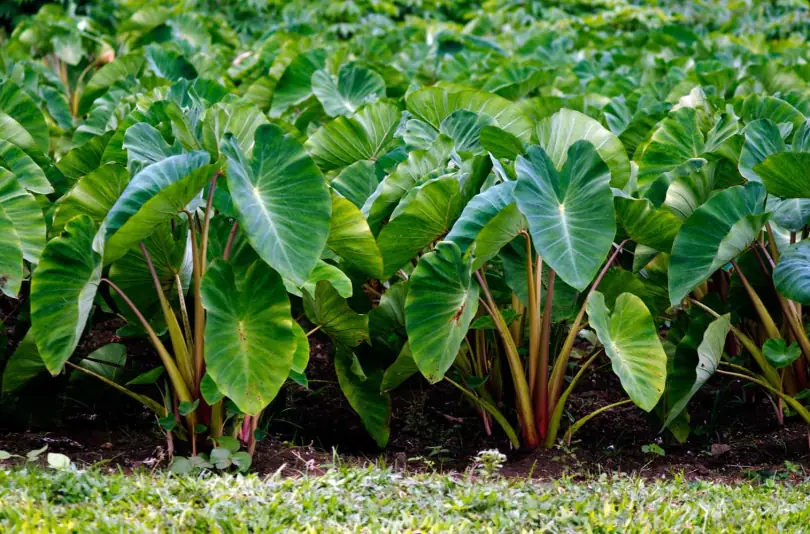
(494, 195)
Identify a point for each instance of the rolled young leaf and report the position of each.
(63, 287)
(249, 338)
(441, 303)
(282, 201)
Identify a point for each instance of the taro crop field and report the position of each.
(404, 266)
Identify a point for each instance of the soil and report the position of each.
(433, 428)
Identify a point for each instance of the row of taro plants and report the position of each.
(499, 204)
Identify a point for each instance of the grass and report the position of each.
(381, 500)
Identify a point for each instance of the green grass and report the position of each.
(380, 500)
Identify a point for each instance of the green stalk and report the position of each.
(556, 416)
(175, 376)
(524, 403)
(560, 366)
(491, 410)
(199, 312)
(581, 422)
(181, 299)
(533, 309)
(762, 311)
(175, 334)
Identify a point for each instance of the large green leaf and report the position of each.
(241, 120)
(63, 287)
(757, 107)
(709, 352)
(11, 256)
(31, 176)
(792, 274)
(249, 338)
(355, 86)
(362, 136)
(630, 338)
(145, 145)
(429, 215)
(21, 207)
(676, 140)
(282, 200)
(441, 303)
(716, 233)
(420, 166)
(23, 365)
(364, 395)
(152, 197)
(351, 238)
(570, 213)
(434, 104)
(21, 121)
(94, 195)
(647, 225)
(785, 174)
(295, 84)
(106, 76)
(557, 133)
(762, 138)
(329, 311)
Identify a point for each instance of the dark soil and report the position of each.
(434, 428)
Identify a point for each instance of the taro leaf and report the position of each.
(145, 145)
(386, 322)
(169, 64)
(464, 128)
(357, 182)
(107, 361)
(329, 311)
(420, 166)
(434, 104)
(301, 356)
(83, 159)
(779, 354)
(428, 216)
(31, 176)
(93, 194)
(210, 391)
(295, 84)
(647, 225)
(631, 342)
(362, 136)
(355, 86)
(441, 303)
(618, 281)
(241, 120)
(419, 135)
(152, 197)
(709, 352)
(106, 76)
(11, 256)
(501, 143)
(559, 132)
(691, 188)
(249, 339)
(791, 214)
(63, 287)
(675, 141)
(762, 138)
(23, 365)
(716, 233)
(22, 209)
(570, 213)
(792, 274)
(801, 139)
(478, 212)
(149, 377)
(401, 370)
(21, 121)
(769, 107)
(282, 200)
(785, 174)
(328, 272)
(351, 238)
(364, 396)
